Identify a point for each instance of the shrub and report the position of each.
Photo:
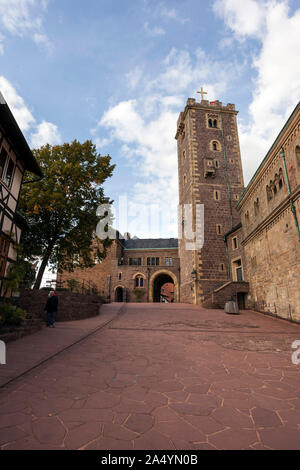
(12, 315)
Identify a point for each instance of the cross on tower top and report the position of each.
(202, 92)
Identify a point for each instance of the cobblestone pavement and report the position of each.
(161, 376)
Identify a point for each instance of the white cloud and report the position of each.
(25, 18)
(184, 72)
(244, 18)
(276, 87)
(134, 77)
(46, 133)
(171, 14)
(154, 30)
(16, 103)
(39, 134)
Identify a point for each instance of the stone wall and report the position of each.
(97, 276)
(124, 275)
(270, 239)
(71, 306)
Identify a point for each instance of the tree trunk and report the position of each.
(43, 266)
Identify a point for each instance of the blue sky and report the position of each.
(120, 71)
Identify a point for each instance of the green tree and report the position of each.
(60, 209)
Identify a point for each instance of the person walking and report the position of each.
(51, 308)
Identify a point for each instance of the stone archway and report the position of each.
(157, 280)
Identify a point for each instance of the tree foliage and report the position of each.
(60, 209)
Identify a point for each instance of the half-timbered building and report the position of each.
(15, 158)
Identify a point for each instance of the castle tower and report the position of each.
(210, 173)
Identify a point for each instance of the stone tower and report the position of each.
(210, 173)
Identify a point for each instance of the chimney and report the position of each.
(127, 236)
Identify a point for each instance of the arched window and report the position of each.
(210, 123)
(184, 180)
(139, 281)
(215, 123)
(215, 145)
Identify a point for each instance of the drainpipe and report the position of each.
(227, 258)
(293, 208)
(148, 283)
(179, 284)
(226, 172)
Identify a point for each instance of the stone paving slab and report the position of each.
(28, 352)
(159, 376)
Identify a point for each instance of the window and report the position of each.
(298, 155)
(217, 195)
(222, 267)
(215, 123)
(9, 173)
(120, 276)
(215, 145)
(247, 217)
(139, 281)
(217, 163)
(3, 156)
(152, 261)
(256, 206)
(210, 124)
(219, 229)
(238, 271)
(169, 261)
(184, 180)
(183, 156)
(4, 246)
(135, 261)
(234, 243)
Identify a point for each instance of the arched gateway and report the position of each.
(157, 280)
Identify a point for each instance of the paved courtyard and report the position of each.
(155, 376)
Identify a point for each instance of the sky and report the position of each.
(120, 71)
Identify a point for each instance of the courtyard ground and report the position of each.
(153, 376)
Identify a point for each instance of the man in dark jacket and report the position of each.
(51, 308)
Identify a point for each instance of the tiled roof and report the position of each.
(150, 243)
